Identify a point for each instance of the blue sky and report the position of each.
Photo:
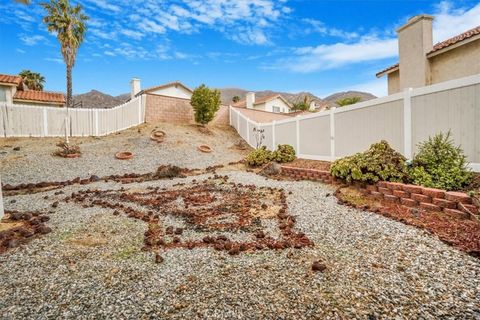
(321, 46)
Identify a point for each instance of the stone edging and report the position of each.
(453, 203)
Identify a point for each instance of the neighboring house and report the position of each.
(170, 102)
(14, 91)
(173, 89)
(275, 103)
(421, 63)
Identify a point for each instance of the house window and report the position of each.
(276, 109)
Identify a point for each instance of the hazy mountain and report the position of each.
(97, 99)
(333, 98)
(227, 95)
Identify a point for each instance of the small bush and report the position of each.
(284, 153)
(379, 162)
(440, 164)
(259, 157)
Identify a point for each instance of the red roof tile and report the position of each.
(461, 37)
(40, 96)
(5, 78)
(391, 68)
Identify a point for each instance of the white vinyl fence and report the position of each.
(36, 121)
(403, 119)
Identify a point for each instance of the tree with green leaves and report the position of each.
(303, 105)
(23, 1)
(205, 103)
(33, 80)
(347, 101)
(235, 99)
(68, 23)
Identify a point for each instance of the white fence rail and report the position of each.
(36, 121)
(403, 119)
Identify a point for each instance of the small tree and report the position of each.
(348, 101)
(235, 99)
(303, 105)
(205, 103)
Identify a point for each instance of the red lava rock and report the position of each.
(228, 245)
(55, 204)
(318, 266)
(13, 243)
(178, 231)
(169, 230)
(44, 229)
(264, 206)
(234, 251)
(218, 246)
(176, 239)
(158, 258)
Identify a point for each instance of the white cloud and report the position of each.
(56, 60)
(449, 21)
(316, 26)
(377, 87)
(32, 40)
(103, 4)
(132, 34)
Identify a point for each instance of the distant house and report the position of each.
(421, 63)
(274, 103)
(14, 91)
(173, 89)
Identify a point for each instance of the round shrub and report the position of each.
(440, 164)
(379, 162)
(259, 157)
(284, 153)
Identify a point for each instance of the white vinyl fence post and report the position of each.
(230, 115)
(273, 134)
(45, 122)
(96, 122)
(332, 133)
(140, 109)
(407, 123)
(297, 134)
(238, 122)
(2, 211)
(248, 132)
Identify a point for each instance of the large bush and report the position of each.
(379, 162)
(205, 103)
(440, 164)
(284, 153)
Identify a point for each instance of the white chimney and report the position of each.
(250, 99)
(135, 87)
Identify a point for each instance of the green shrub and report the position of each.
(259, 157)
(379, 162)
(284, 153)
(205, 103)
(440, 164)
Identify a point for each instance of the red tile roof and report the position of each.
(40, 96)
(260, 100)
(386, 70)
(441, 45)
(15, 80)
(461, 37)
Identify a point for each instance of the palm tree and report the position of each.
(348, 101)
(235, 99)
(24, 1)
(69, 24)
(33, 80)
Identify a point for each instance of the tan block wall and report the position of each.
(160, 108)
(394, 82)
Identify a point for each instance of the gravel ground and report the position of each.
(91, 266)
(34, 161)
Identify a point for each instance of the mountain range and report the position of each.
(97, 99)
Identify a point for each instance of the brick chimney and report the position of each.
(414, 42)
(250, 99)
(134, 87)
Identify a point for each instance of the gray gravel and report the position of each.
(91, 267)
(34, 161)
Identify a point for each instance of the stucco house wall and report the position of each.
(173, 91)
(394, 82)
(459, 62)
(269, 105)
